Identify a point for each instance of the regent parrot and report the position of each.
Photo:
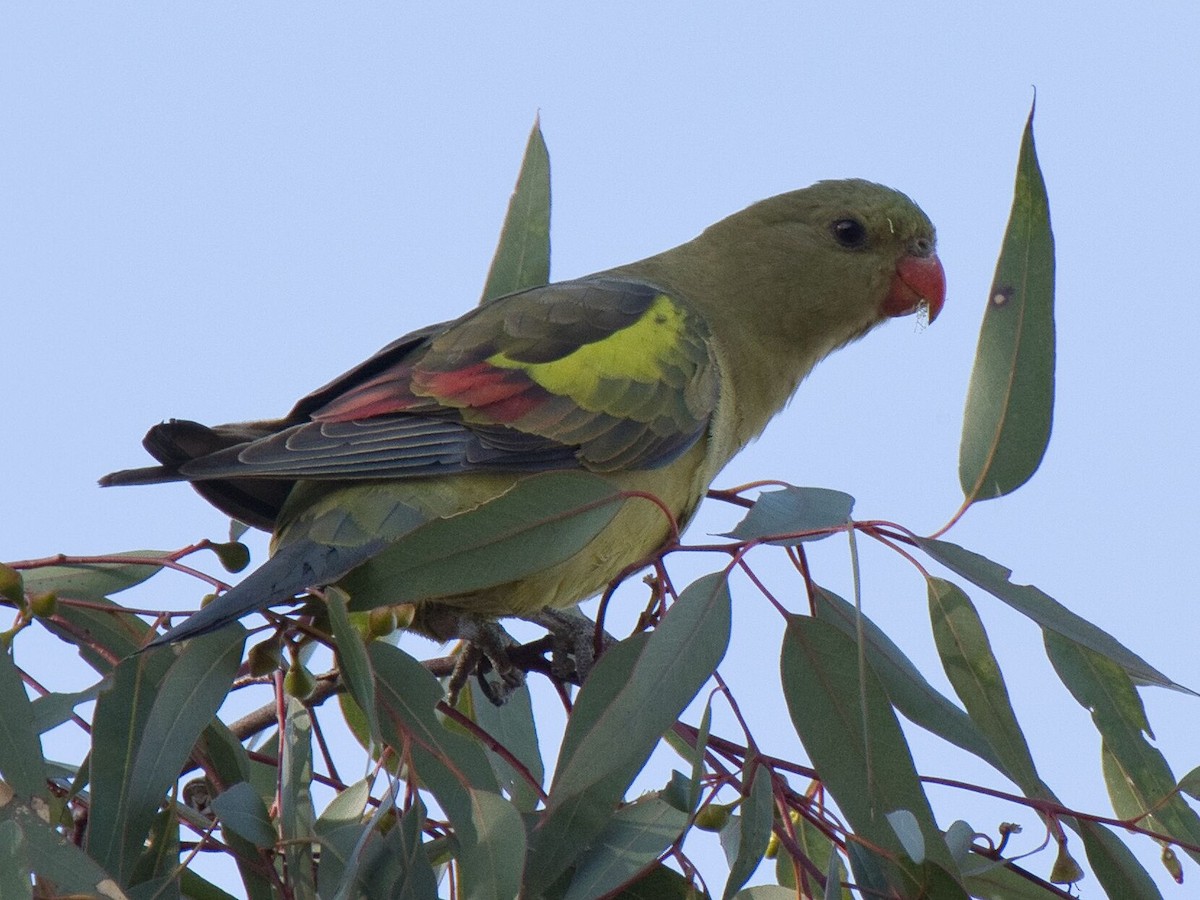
(652, 375)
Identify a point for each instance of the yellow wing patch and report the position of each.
(634, 353)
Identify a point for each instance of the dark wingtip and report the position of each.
(148, 475)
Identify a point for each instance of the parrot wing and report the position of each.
(602, 373)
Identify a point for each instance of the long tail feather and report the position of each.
(294, 569)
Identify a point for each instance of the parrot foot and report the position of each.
(573, 647)
(486, 648)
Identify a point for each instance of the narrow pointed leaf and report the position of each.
(491, 836)
(908, 830)
(51, 710)
(184, 703)
(766, 892)
(757, 814)
(636, 836)
(514, 727)
(296, 814)
(912, 695)
(21, 762)
(92, 581)
(143, 729)
(1010, 402)
(54, 858)
(1043, 609)
(116, 634)
(522, 257)
(661, 883)
(833, 879)
(1003, 883)
(406, 696)
(869, 772)
(242, 811)
(794, 510)
(1190, 783)
(352, 659)
(1138, 771)
(970, 665)
(1115, 866)
(15, 880)
(636, 692)
(540, 522)
(493, 854)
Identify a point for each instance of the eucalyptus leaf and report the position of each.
(1010, 402)
(794, 511)
(541, 521)
(635, 693)
(1042, 608)
(522, 258)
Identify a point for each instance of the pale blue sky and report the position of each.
(207, 210)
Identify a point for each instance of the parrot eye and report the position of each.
(850, 233)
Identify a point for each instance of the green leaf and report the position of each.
(852, 736)
(967, 657)
(1010, 402)
(636, 836)
(698, 763)
(185, 701)
(352, 659)
(833, 879)
(794, 511)
(21, 762)
(144, 727)
(492, 855)
(1000, 882)
(542, 521)
(1190, 783)
(406, 695)
(357, 862)
(1115, 867)
(51, 710)
(637, 690)
(1042, 608)
(661, 883)
(48, 854)
(908, 830)
(816, 846)
(522, 257)
(112, 633)
(490, 833)
(296, 814)
(92, 581)
(243, 812)
(193, 887)
(229, 762)
(1139, 778)
(757, 814)
(912, 695)
(765, 892)
(15, 876)
(514, 727)
(348, 848)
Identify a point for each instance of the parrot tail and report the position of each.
(255, 501)
(295, 567)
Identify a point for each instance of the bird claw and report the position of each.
(486, 648)
(573, 648)
(488, 651)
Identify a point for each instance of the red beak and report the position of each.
(919, 281)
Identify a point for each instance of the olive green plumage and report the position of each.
(652, 375)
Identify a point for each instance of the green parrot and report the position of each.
(651, 375)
